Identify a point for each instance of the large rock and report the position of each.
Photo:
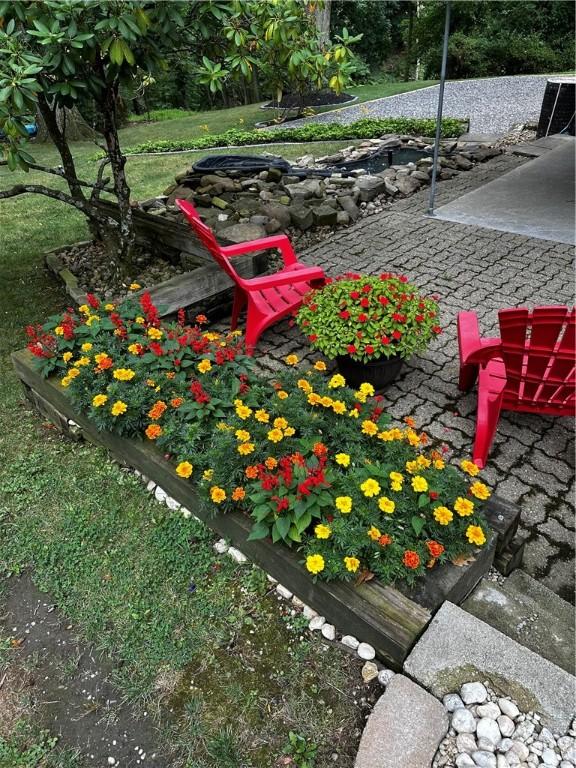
(325, 216)
(301, 216)
(347, 204)
(458, 647)
(278, 212)
(370, 187)
(306, 189)
(240, 233)
(406, 185)
(404, 730)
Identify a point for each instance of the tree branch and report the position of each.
(82, 205)
(100, 182)
(100, 185)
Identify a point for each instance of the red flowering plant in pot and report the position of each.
(369, 324)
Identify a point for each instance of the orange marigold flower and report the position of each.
(410, 421)
(251, 472)
(435, 548)
(384, 540)
(319, 449)
(271, 463)
(170, 374)
(176, 402)
(157, 410)
(201, 319)
(411, 559)
(238, 494)
(153, 431)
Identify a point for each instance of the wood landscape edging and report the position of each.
(391, 619)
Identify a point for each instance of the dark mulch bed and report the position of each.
(324, 98)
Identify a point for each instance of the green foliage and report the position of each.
(368, 317)
(366, 128)
(25, 749)
(302, 751)
(505, 38)
(378, 23)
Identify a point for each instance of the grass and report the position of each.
(232, 664)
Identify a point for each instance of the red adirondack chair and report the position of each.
(268, 298)
(531, 367)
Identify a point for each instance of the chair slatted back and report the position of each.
(206, 237)
(539, 352)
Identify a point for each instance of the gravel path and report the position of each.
(493, 105)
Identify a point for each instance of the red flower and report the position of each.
(362, 317)
(385, 340)
(433, 495)
(351, 349)
(354, 295)
(384, 540)
(365, 303)
(419, 318)
(329, 518)
(435, 548)
(181, 317)
(403, 278)
(399, 317)
(312, 337)
(369, 349)
(155, 348)
(92, 300)
(383, 300)
(436, 329)
(411, 559)
(313, 307)
(397, 334)
(345, 315)
(366, 288)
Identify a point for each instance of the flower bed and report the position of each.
(315, 465)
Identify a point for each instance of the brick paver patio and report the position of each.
(532, 460)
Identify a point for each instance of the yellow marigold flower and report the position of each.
(352, 564)
(155, 333)
(411, 466)
(134, 287)
(66, 381)
(326, 401)
(469, 467)
(419, 484)
(322, 531)
(59, 330)
(343, 504)
(464, 507)
(100, 357)
(204, 366)
(67, 356)
(386, 505)
(275, 435)
(73, 372)
(86, 347)
(304, 385)
(412, 437)
(339, 407)
(262, 416)
(423, 462)
(443, 515)
(354, 413)
(119, 408)
(374, 533)
(320, 365)
(337, 381)
(140, 320)
(475, 535)
(82, 361)
(367, 389)
(150, 383)
(243, 412)
(386, 435)
(123, 374)
(245, 448)
(208, 474)
(439, 464)
(237, 402)
(109, 307)
(211, 336)
(395, 486)
(85, 309)
(396, 477)
(480, 490)
(280, 423)
(289, 431)
(314, 564)
(134, 349)
(217, 494)
(314, 399)
(281, 394)
(360, 396)
(184, 469)
(92, 319)
(369, 428)
(370, 487)
(291, 359)
(343, 459)
(243, 435)
(99, 400)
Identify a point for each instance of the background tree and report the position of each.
(55, 54)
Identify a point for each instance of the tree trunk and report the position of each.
(70, 124)
(322, 16)
(409, 42)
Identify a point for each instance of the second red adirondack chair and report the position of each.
(269, 298)
(530, 368)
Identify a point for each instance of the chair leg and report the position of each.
(237, 307)
(467, 378)
(489, 407)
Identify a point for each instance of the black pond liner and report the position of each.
(382, 159)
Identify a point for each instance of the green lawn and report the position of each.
(120, 566)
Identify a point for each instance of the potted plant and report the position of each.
(369, 324)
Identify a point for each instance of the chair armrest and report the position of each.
(281, 242)
(283, 278)
(473, 348)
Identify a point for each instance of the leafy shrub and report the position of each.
(368, 128)
(313, 463)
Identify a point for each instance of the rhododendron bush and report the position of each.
(317, 466)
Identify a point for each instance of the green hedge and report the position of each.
(367, 128)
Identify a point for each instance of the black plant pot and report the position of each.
(380, 373)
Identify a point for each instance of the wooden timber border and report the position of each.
(389, 618)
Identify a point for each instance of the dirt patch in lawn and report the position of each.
(66, 685)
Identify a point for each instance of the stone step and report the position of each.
(458, 647)
(530, 614)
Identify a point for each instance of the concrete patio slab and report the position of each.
(536, 200)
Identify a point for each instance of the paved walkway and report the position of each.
(532, 460)
(491, 104)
